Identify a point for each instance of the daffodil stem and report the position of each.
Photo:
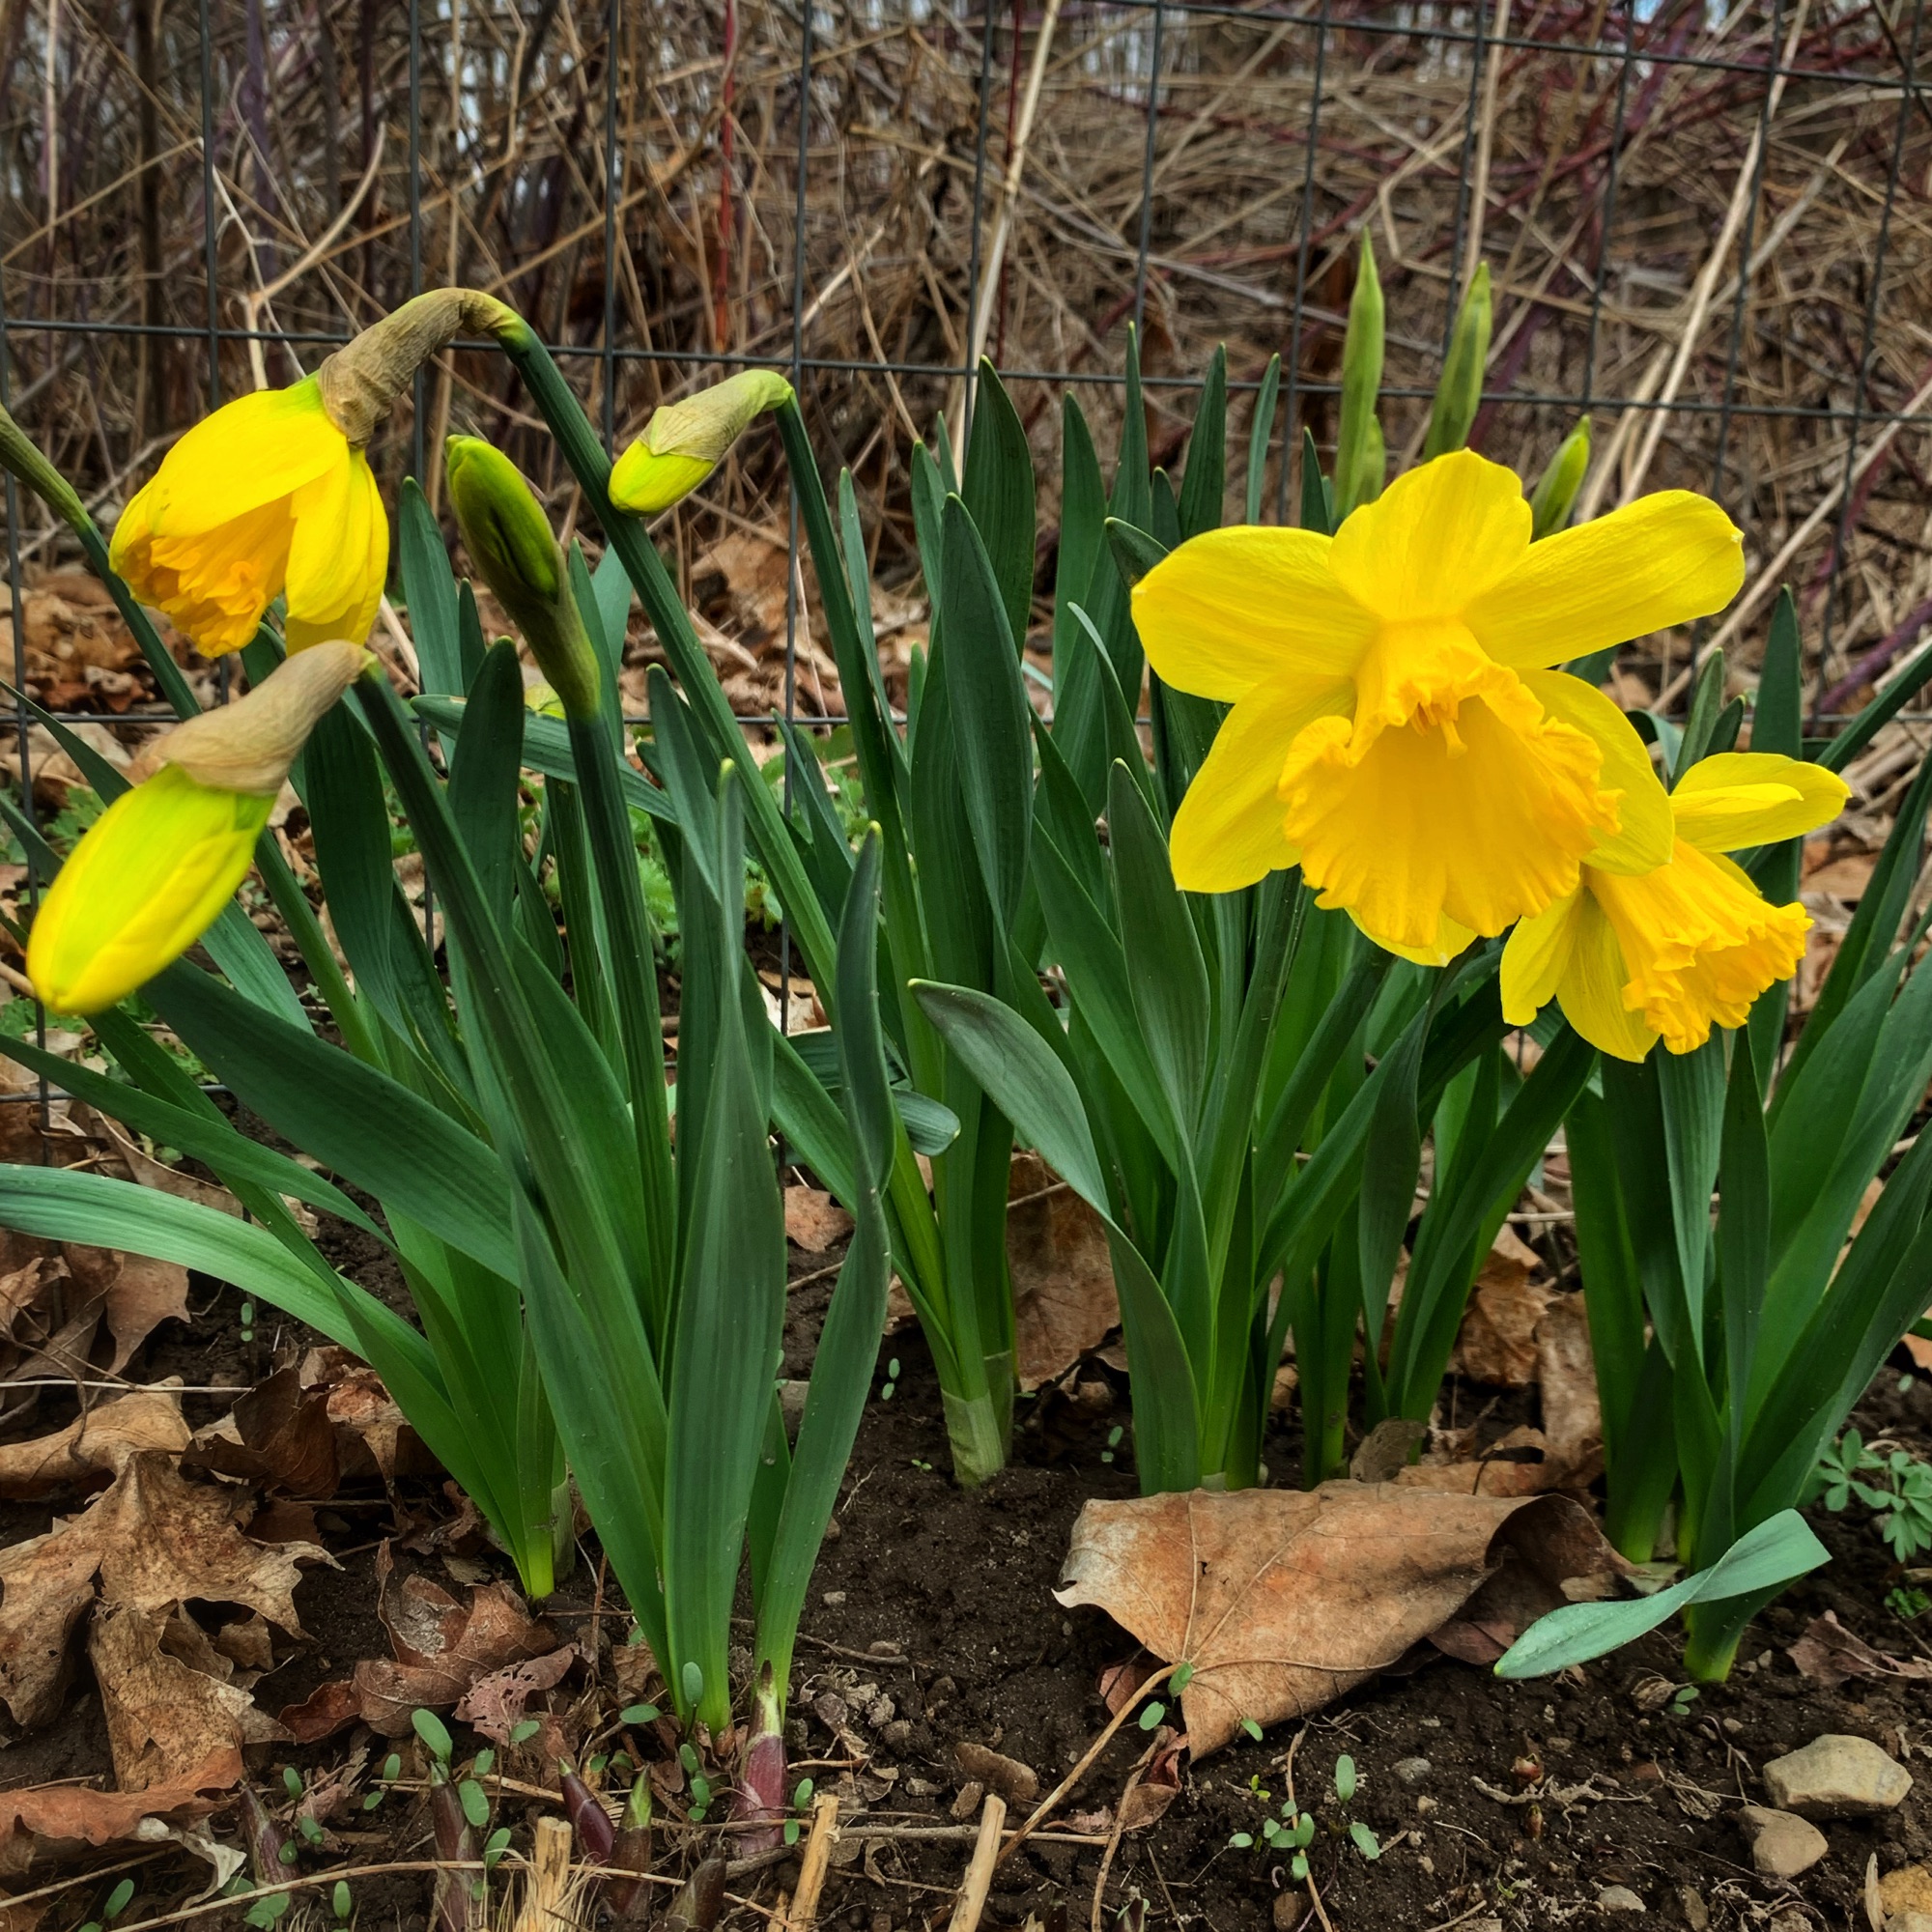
(312, 943)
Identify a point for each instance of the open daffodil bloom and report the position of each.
(1671, 952)
(1396, 729)
(266, 496)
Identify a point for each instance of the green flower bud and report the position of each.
(1459, 392)
(510, 541)
(1356, 477)
(1555, 493)
(684, 443)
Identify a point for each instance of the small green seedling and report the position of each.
(265, 1911)
(1252, 1730)
(638, 1714)
(249, 1335)
(341, 1901)
(1906, 1603)
(892, 1380)
(433, 1733)
(1888, 1480)
(1113, 1435)
(522, 1733)
(392, 1769)
(494, 1846)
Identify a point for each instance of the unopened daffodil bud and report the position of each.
(272, 494)
(684, 443)
(542, 700)
(1555, 493)
(1358, 453)
(1460, 393)
(510, 542)
(153, 873)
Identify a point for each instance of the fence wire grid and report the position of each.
(1709, 232)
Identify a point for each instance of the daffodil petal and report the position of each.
(1483, 821)
(1662, 560)
(1700, 942)
(1233, 608)
(252, 451)
(1591, 991)
(1449, 940)
(1751, 798)
(1434, 539)
(1227, 833)
(146, 881)
(1536, 956)
(340, 558)
(1644, 834)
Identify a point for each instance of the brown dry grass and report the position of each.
(310, 110)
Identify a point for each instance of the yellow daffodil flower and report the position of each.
(685, 442)
(266, 497)
(1396, 729)
(154, 871)
(1667, 954)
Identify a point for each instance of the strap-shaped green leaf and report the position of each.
(429, 589)
(989, 714)
(1261, 434)
(999, 496)
(355, 1119)
(1206, 483)
(483, 775)
(1744, 1225)
(1761, 1559)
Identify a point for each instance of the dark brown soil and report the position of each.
(931, 1621)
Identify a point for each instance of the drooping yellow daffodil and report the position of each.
(266, 497)
(1667, 954)
(685, 442)
(1396, 729)
(273, 494)
(155, 870)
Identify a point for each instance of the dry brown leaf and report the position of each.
(1064, 1298)
(153, 1542)
(372, 1436)
(95, 1445)
(1282, 1599)
(1497, 1342)
(814, 1221)
(168, 1722)
(1573, 1416)
(278, 1437)
(442, 1646)
(1831, 1655)
(1515, 1464)
(1145, 1803)
(328, 1709)
(56, 1823)
(138, 1296)
(495, 1704)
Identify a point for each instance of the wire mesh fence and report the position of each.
(1709, 230)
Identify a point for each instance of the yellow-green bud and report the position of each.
(684, 443)
(510, 542)
(153, 872)
(1460, 393)
(1357, 477)
(1555, 493)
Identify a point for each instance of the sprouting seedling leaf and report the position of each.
(1366, 1842)
(266, 1911)
(1184, 1675)
(1241, 1840)
(630, 1714)
(791, 1830)
(494, 1846)
(433, 1733)
(1345, 1778)
(694, 1683)
(687, 1756)
(292, 1780)
(475, 1805)
(800, 1795)
(1253, 1729)
(310, 1828)
(289, 1853)
(340, 1901)
(116, 1900)
(1153, 1715)
(1113, 1435)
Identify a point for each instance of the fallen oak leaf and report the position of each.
(812, 1220)
(1497, 1341)
(95, 1445)
(151, 1541)
(1280, 1599)
(167, 1721)
(328, 1708)
(137, 1294)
